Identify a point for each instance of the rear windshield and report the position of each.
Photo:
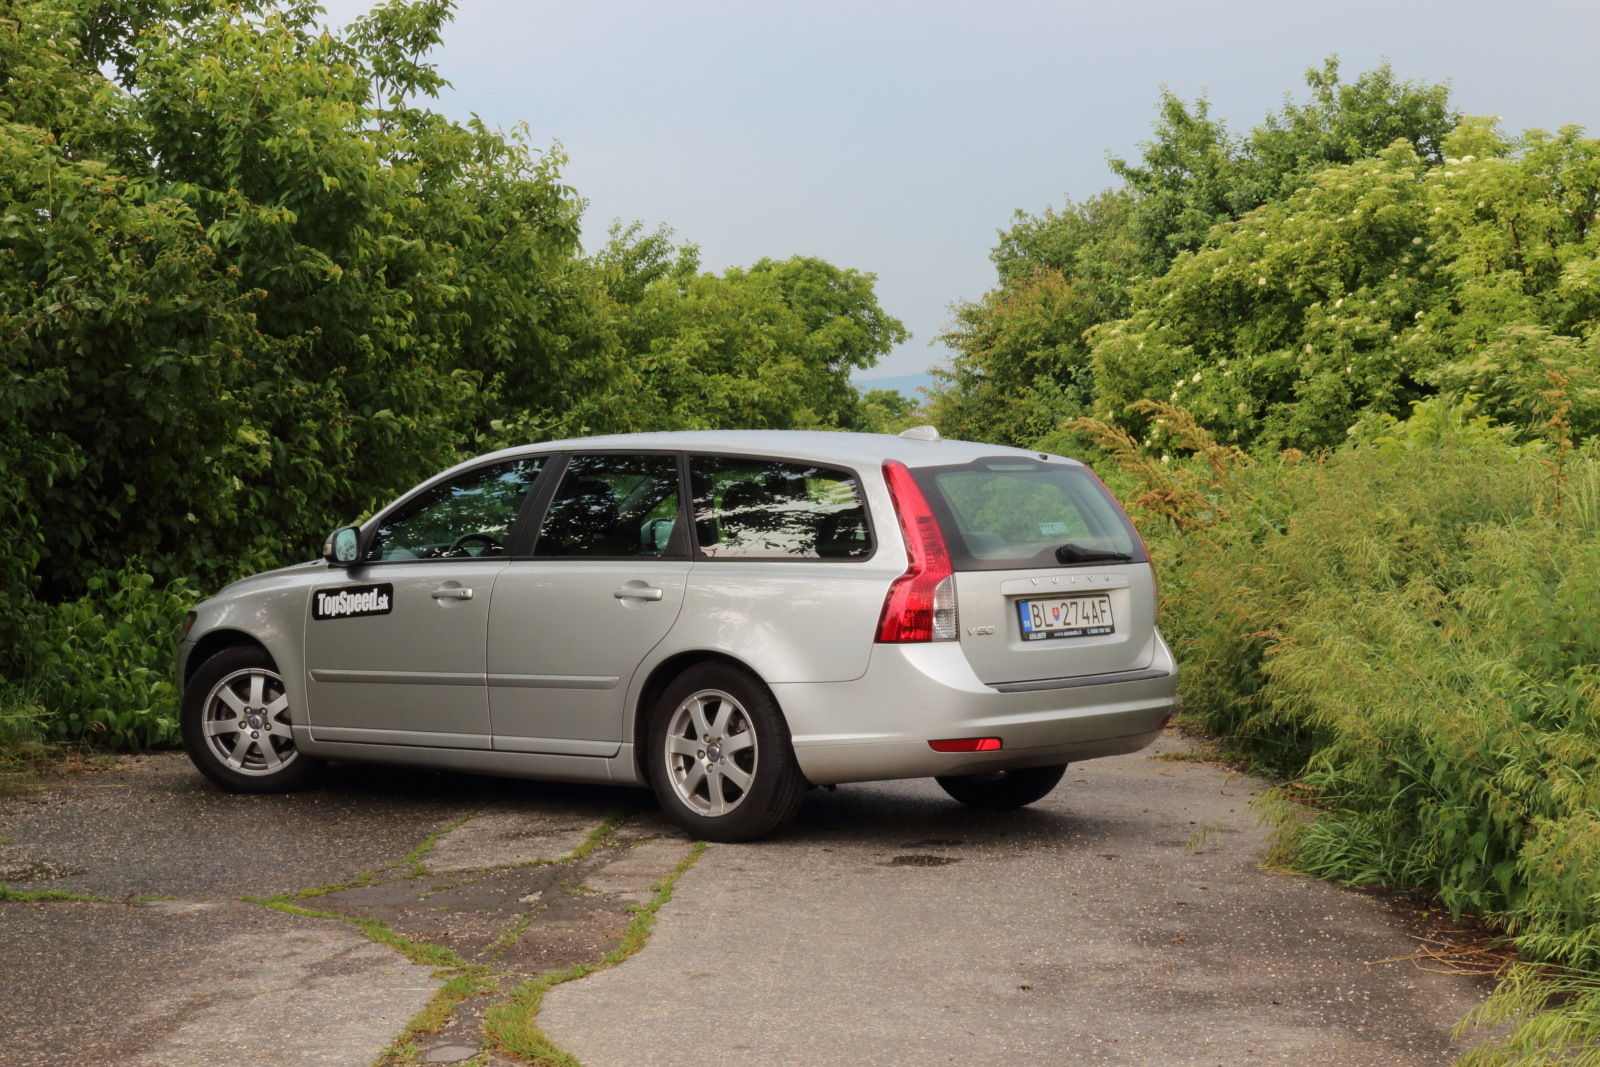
(1005, 513)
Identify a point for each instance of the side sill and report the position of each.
(410, 738)
(541, 767)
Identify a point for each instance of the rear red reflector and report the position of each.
(966, 744)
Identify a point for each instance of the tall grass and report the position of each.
(22, 728)
(1408, 631)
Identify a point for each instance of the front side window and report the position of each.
(768, 509)
(1004, 513)
(465, 517)
(613, 505)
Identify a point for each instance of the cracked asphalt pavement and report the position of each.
(1123, 920)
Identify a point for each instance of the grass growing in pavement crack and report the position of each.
(435, 1016)
(414, 857)
(365, 878)
(465, 981)
(7, 893)
(600, 835)
(513, 1024)
(377, 930)
(507, 937)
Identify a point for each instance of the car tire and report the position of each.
(1003, 790)
(235, 724)
(720, 758)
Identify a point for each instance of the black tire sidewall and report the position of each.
(775, 793)
(191, 721)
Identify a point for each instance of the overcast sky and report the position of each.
(897, 136)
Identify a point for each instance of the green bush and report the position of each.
(103, 664)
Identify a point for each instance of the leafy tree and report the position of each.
(844, 328)
(769, 346)
(1342, 123)
(1193, 174)
(252, 287)
(1092, 243)
(1289, 321)
(1190, 177)
(885, 411)
(1374, 286)
(1022, 359)
(1024, 365)
(263, 273)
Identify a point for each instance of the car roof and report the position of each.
(826, 446)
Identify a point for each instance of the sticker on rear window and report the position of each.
(353, 601)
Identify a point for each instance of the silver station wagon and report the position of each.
(728, 618)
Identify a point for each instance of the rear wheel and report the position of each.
(235, 724)
(720, 758)
(1003, 790)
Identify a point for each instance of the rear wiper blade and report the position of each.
(1071, 553)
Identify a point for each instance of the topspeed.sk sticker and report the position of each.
(353, 601)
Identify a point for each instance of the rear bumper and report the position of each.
(878, 726)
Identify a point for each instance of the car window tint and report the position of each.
(465, 517)
(612, 505)
(765, 509)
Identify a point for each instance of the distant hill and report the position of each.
(907, 385)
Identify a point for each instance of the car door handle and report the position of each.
(638, 592)
(452, 592)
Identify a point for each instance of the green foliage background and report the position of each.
(252, 287)
(1347, 367)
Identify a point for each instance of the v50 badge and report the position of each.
(352, 602)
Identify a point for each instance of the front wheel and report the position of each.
(235, 724)
(1003, 790)
(721, 762)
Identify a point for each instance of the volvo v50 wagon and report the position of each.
(728, 618)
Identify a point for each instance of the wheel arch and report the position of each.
(661, 676)
(214, 642)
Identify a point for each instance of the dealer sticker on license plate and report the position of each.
(1073, 616)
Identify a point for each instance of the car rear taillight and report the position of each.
(921, 604)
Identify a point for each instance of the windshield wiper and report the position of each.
(1071, 553)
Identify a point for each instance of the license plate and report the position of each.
(1072, 616)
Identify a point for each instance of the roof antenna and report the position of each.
(920, 433)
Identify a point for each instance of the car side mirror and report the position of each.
(343, 547)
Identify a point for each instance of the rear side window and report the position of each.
(768, 509)
(1000, 514)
